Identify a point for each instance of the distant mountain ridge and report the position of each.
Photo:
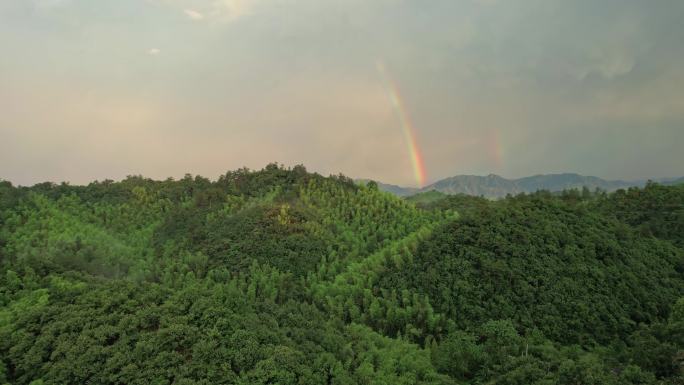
(391, 188)
(495, 186)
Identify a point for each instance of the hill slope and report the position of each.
(282, 276)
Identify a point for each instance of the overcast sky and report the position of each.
(103, 89)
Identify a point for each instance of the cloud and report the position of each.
(192, 14)
(213, 11)
(609, 66)
(230, 10)
(485, 2)
(293, 81)
(48, 4)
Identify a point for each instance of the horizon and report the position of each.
(428, 183)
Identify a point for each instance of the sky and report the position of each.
(404, 92)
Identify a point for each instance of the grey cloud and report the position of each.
(584, 86)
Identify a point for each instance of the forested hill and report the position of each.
(280, 276)
(495, 186)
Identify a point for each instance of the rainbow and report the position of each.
(405, 121)
(495, 149)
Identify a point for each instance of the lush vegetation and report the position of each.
(281, 276)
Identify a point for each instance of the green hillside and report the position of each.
(426, 198)
(280, 276)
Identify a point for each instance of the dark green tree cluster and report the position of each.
(280, 276)
(655, 210)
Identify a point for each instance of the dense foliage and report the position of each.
(280, 276)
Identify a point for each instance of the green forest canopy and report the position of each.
(280, 276)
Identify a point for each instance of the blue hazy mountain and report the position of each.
(495, 186)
